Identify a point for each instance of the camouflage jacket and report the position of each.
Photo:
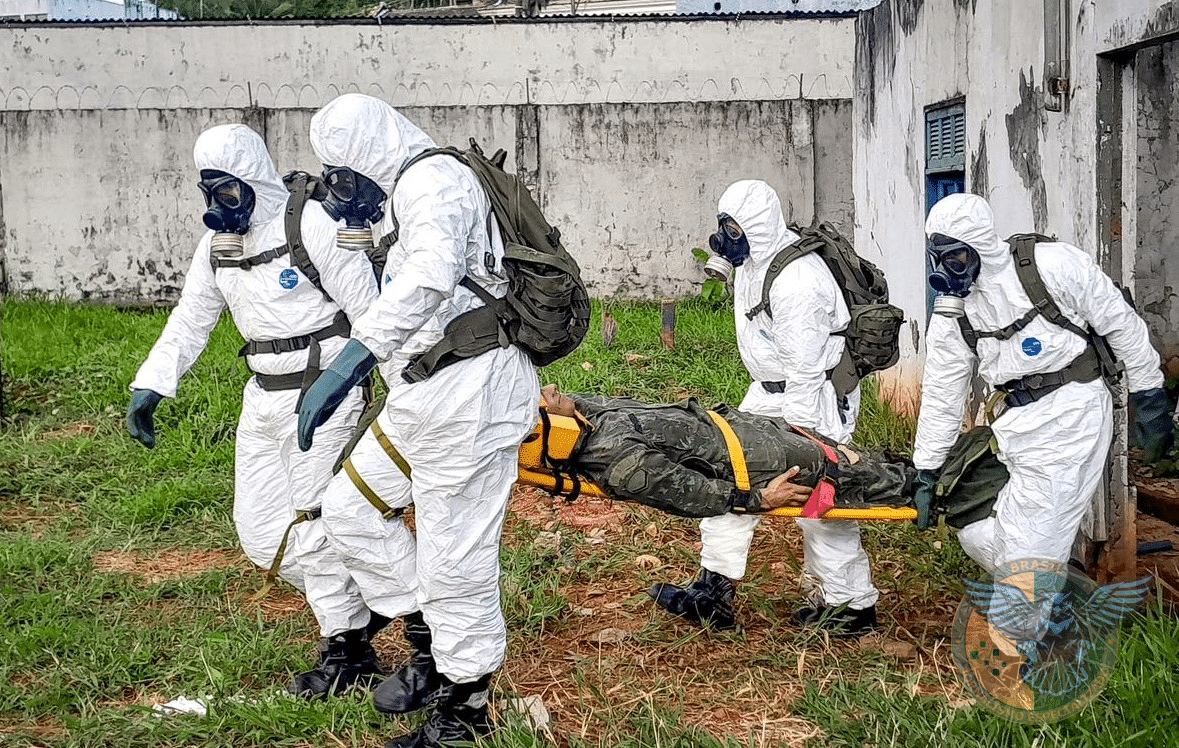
(674, 458)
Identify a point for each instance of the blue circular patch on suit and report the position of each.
(1032, 346)
(388, 278)
(288, 278)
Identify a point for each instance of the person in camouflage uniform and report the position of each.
(674, 458)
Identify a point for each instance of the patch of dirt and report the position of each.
(44, 728)
(68, 432)
(1163, 565)
(1158, 495)
(541, 510)
(613, 651)
(176, 563)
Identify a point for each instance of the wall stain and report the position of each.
(1023, 141)
(979, 181)
(1165, 21)
(876, 56)
(908, 13)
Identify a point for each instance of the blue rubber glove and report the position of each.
(1154, 430)
(923, 498)
(331, 387)
(141, 416)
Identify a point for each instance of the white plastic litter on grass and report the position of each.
(200, 707)
(531, 708)
(183, 705)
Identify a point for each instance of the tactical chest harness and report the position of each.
(300, 188)
(1097, 360)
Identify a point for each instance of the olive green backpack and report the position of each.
(546, 311)
(873, 331)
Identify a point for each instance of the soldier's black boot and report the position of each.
(707, 601)
(837, 620)
(345, 660)
(376, 624)
(410, 688)
(459, 717)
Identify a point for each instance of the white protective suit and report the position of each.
(796, 347)
(1054, 448)
(271, 301)
(460, 430)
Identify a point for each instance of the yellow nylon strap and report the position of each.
(366, 490)
(390, 450)
(736, 454)
(272, 574)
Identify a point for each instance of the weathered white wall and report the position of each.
(670, 164)
(294, 65)
(629, 130)
(1036, 167)
(1156, 263)
(1128, 22)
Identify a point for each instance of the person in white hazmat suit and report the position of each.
(459, 430)
(291, 327)
(1055, 433)
(788, 356)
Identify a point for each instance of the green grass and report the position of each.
(1138, 707)
(84, 649)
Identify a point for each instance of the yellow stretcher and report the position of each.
(562, 436)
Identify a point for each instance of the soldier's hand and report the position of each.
(782, 493)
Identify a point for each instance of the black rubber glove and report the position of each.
(331, 387)
(923, 498)
(141, 416)
(1154, 430)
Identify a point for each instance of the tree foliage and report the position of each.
(218, 9)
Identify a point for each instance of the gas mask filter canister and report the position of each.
(730, 246)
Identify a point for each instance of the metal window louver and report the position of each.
(945, 139)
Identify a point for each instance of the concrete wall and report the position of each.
(1035, 166)
(629, 130)
(1156, 263)
(1039, 168)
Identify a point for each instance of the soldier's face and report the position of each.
(556, 402)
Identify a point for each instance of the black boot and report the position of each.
(837, 620)
(459, 717)
(345, 660)
(706, 601)
(376, 624)
(410, 688)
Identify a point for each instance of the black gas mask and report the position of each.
(230, 203)
(953, 267)
(355, 199)
(730, 247)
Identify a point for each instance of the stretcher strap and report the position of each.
(736, 454)
(300, 516)
(823, 497)
(561, 470)
(390, 450)
(387, 512)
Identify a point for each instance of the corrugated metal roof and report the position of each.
(411, 20)
(587, 8)
(479, 11)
